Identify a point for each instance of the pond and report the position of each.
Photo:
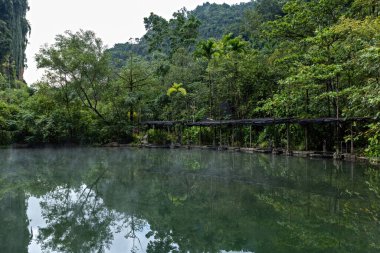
(153, 200)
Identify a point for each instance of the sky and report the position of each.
(114, 21)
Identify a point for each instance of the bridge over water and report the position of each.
(339, 128)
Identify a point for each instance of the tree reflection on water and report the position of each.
(77, 220)
(194, 201)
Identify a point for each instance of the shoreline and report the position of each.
(280, 151)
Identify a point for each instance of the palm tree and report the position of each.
(176, 87)
(232, 48)
(207, 49)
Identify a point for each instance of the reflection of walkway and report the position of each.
(223, 251)
(269, 182)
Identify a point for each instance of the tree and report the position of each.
(176, 87)
(219, 19)
(233, 51)
(156, 32)
(133, 79)
(207, 49)
(167, 36)
(77, 61)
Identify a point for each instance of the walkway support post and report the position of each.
(214, 136)
(180, 134)
(338, 151)
(168, 131)
(306, 138)
(233, 136)
(287, 139)
(220, 136)
(200, 135)
(352, 140)
(250, 136)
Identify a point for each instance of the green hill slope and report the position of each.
(216, 20)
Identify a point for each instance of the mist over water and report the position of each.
(142, 200)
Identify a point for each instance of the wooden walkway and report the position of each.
(256, 122)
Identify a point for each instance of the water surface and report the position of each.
(141, 200)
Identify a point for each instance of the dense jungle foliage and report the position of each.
(282, 58)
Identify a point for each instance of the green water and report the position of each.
(140, 200)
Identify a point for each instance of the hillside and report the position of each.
(219, 19)
(13, 37)
(216, 20)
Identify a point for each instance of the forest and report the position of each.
(267, 58)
